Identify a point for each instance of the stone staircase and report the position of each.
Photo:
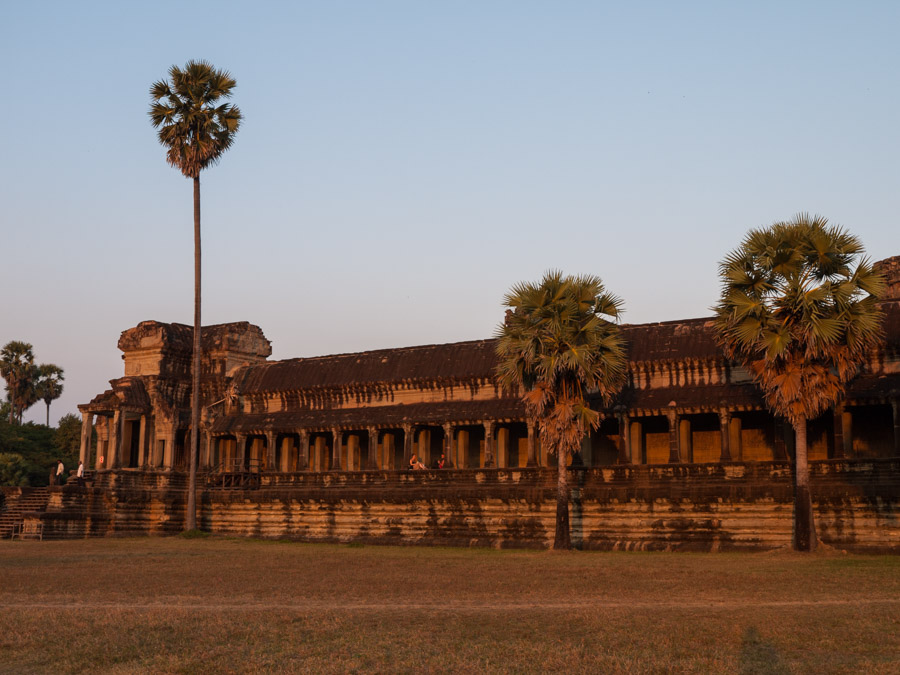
(30, 500)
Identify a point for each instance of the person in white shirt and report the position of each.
(59, 472)
(80, 473)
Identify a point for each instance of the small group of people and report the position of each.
(57, 475)
(416, 465)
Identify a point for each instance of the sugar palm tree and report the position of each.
(18, 369)
(559, 345)
(798, 310)
(196, 127)
(48, 386)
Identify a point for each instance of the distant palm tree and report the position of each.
(557, 346)
(48, 386)
(18, 369)
(197, 129)
(798, 310)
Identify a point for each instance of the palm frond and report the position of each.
(798, 309)
(193, 126)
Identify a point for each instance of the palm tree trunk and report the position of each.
(48, 414)
(804, 526)
(191, 515)
(562, 541)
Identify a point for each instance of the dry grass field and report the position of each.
(208, 605)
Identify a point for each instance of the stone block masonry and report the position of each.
(684, 507)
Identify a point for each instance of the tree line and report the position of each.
(26, 382)
(28, 452)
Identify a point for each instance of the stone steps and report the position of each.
(31, 500)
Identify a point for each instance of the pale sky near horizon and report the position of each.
(402, 164)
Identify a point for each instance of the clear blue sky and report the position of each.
(403, 163)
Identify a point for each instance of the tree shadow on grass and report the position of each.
(759, 656)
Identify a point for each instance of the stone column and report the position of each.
(489, 444)
(169, 450)
(213, 456)
(501, 448)
(87, 424)
(303, 451)
(408, 441)
(372, 450)
(270, 451)
(449, 463)
(315, 454)
(115, 435)
(847, 424)
(157, 449)
(240, 453)
(674, 436)
(687, 440)
(624, 445)
(142, 442)
(636, 435)
(838, 431)
(532, 450)
(737, 444)
(336, 449)
(724, 428)
(205, 445)
(385, 452)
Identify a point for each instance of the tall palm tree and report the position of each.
(196, 128)
(48, 386)
(18, 369)
(798, 310)
(558, 347)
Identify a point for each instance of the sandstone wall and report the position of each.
(705, 507)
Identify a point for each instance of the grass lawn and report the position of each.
(235, 605)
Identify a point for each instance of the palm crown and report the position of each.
(192, 124)
(18, 369)
(798, 308)
(49, 385)
(559, 346)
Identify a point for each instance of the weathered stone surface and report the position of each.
(686, 507)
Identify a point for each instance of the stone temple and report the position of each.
(317, 449)
(371, 410)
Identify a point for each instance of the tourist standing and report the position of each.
(59, 471)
